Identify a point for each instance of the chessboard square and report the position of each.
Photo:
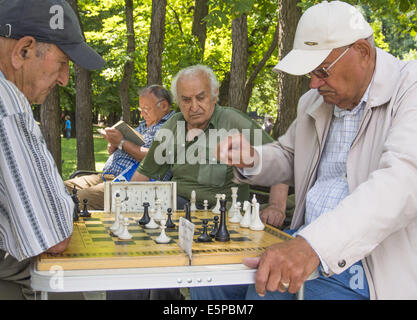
(123, 242)
(240, 239)
(94, 225)
(141, 238)
(102, 239)
(97, 232)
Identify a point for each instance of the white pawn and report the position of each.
(115, 225)
(216, 209)
(152, 224)
(125, 235)
(158, 216)
(246, 220)
(121, 227)
(205, 204)
(234, 199)
(163, 238)
(193, 207)
(256, 223)
(237, 216)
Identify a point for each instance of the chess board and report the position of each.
(93, 247)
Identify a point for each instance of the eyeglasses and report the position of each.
(323, 72)
(147, 108)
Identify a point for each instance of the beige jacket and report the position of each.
(377, 222)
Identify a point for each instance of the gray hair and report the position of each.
(159, 92)
(192, 71)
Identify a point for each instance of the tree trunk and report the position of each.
(51, 125)
(238, 68)
(199, 28)
(84, 120)
(83, 112)
(129, 66)
(290, 88)
(156, 42)
(251, 80)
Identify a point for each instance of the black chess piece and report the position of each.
(75, 216)
(145, 218)
(169, 224)
(75, 199)
(85, 213)
(204, 237)
(187, 211)
(222, 234)
(216, 227)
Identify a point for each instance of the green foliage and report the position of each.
(394, 22)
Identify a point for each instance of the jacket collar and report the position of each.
(386, 75)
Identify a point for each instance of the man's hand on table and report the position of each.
(290, 262)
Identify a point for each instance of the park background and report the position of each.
(147, 42)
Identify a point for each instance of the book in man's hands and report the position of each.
(129, 133)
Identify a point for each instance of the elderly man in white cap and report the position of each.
(351, 155)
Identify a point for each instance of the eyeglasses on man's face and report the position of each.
(323, 73)
(148, 108)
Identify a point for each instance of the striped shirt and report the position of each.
(121, 161)
(35, 208)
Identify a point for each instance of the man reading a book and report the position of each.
(155, 104)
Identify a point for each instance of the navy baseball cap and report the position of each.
(49, 21)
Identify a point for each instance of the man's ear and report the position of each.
(24, 49)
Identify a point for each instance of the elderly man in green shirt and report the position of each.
(187, 142)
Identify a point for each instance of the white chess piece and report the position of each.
(205, 204)
(152, 224)
(193, 207)
(231, 212)
(216, 209)
(237, 216)
(125, 235)
(163, 238)
(256, 223)
(121, 227)
(246, 220)
(158, 216)
(115, 226)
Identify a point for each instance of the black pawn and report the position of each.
(169, 224)
(222, 234)
(216, 227)
(204, 237)
(187, 211)
(85, 212)
(145, 218)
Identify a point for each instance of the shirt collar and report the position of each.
(338, 112)
(2, 75)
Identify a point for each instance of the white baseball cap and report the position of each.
(322, 28)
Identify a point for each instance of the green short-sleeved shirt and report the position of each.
(193, 164)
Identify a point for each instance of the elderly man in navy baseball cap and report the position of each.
(37, 40)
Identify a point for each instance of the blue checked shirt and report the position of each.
(120, 161)
(331, 185)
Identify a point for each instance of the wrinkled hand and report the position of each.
(236, 151)
(273, 215)
(113, 136)
(289, 262)
(60, 247)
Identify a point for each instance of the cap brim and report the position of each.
(83, 55)
(299, 62)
